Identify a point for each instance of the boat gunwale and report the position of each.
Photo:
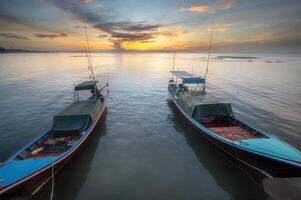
(233, 144)
(58, 159)
(28, 145)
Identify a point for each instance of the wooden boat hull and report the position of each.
(30, 185)
(268, 167)
(34, 184)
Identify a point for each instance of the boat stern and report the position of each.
(16, 172)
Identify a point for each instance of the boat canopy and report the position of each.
(76, 117)
(203, 105)
(188, 78)
(220, 109)
(87, 85)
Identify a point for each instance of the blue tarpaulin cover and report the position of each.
(188, 78)
(193, 80)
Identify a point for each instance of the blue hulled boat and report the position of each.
(26, 172)
(235, 138)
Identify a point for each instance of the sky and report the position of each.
(152, 25)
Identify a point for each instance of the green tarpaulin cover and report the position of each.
(88, 85)
(198, 106)
(220, 109)
(76, 117)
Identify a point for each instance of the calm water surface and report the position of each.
(145, 150)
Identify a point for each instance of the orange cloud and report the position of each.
(206, 9)
(85, 1)
(171, 34)
(50, 35)
(224, 5)
(158, 41)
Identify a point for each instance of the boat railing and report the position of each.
(194, 91)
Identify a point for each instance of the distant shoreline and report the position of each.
(238, 57)
(16, 50)
(4, 51)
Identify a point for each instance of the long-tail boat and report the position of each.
(235, 138)
(33, 166)
(27, 171)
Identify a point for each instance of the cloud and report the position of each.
(116, 31)
(126, 26)
(118, 38)
(120, 32)
(101, 36)
(76, 8)
(140, 27)
(172, 34)
(12, 35)
(16, 20)
(132, 36)
(206, 9)
(146, 41)
(10, 18)
(118, 45)
(50, 35)
(85, 1)
(224, 5)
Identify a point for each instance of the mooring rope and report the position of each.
(52, 180)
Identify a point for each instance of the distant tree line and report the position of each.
(4, 50)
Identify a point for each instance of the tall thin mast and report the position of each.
(89, 55)
(173, 64)
(210, 45)
(87, 49)
(208, 58)
(89, 63)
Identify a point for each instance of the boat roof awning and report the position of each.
(188, 78)
(69, 125)
(76, 117)
(87, 85)
(193, 80)
(203, 105)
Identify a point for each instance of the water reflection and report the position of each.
(226, 174)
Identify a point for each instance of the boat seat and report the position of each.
(34, 152)
(43, 154)
(32, 147)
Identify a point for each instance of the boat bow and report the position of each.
(271, 147)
